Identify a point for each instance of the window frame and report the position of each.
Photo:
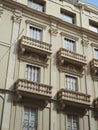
(42, 3)
(74, 44)
(94, 25)
(68, 36)
(33, 65)
(34, 26)
(36, 119)
(68, 114)
(74, 77)
(94, 52)
(68, 14)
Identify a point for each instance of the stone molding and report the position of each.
(53, 31)
(17, 16)
(69, 36)
(94, 45)
(1, 9)
(36, 24)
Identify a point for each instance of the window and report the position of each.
(34, 4)
(71, 83)
(35, 33)
(32, 73)
(30, 119)
(69, 44)
(96, 53)
(68, 17)
(72, 122)
(93, 28)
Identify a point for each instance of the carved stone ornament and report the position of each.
(54, 31)
(17, 16)
(85, 42)
(1, 9)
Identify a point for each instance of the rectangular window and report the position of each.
(71, 83)
(72, 122)
(68, 17)
(34, 4)
(32, 73)
(35, 33)
(69, 44)
(93, 28)
(96, 53)
(30, 119)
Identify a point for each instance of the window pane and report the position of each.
(35, 33)
(72, 122)
(29, 122)
(35, 5)
(32, 73)
(96, 53)
(93, 28)
(71, 83)
(67, 18)
(69, 44)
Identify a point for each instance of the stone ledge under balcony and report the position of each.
(73, 101)
(95, 108)
(34, 49)
(95, 103)
(33, 90)
(94, 68)
(68, 59)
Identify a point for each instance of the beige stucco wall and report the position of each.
(50, 74)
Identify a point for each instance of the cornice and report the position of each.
(36, 24)
(69, 36)
(87, 7)
(49, 18)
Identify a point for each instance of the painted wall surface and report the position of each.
(54, 30)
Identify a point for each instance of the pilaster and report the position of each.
(17, 15)
(54, 72)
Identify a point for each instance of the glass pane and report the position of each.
(29, 122)
(34, 5)
(67, 18)
(71, 83)
(69, 44)
(32, 73)
(96, 53)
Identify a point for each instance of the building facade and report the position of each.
(48, 65)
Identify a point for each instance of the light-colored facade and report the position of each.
(48, 65)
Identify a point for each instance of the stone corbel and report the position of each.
(94, 71)
(47, 58)
(1, 9)
(22, 50)
(17, 16)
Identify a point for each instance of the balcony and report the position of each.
(74, 60)
(34, 49)
(74, 101)
(94, 68)
(33, 90)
